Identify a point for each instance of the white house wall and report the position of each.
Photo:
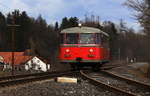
(36, 64)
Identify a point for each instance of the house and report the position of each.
(22, 61)
(35, 63)
(19, 59)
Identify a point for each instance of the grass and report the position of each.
(141, 72)
(144, 68)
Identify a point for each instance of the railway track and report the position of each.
(126, 79)
(117, 84)
(104, 79)
(21, 79)
(111, 66)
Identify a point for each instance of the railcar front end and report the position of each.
(84, 46)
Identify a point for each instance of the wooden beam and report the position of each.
(66, 80)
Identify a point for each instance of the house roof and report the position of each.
(28, 52)
(19, 57)
(44, 60)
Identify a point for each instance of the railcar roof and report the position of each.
(83, 30)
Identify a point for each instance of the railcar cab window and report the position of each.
(86, 38)
(89, 38)
(80, 38)
(71, 38)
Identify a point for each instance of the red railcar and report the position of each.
(82, 46)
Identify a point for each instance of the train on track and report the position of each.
(84, 46)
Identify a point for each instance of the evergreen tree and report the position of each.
(56, 27)
(109, 28)
(25, 28)
(73, 22)
(8, 33)
(65, 23)
(2, 31)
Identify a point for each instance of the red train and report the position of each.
(81, 46)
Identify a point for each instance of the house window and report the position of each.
(1, 63)
(38, 61)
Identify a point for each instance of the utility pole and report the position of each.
(13, 26)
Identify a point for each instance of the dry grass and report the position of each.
(144, 68)
(141, 72)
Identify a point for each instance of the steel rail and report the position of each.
(108, 67)
(36, 77)
(126, 79)
(26, 75)
(21, 76)
(107, 86)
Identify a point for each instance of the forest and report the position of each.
(142, 15)
(43, 38)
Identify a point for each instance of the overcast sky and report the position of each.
(55, 10)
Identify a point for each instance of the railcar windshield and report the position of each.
(72, 38)
(86, 38)
(82, 38)
(89, 38)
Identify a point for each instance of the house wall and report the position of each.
(7, 66)
(36, 64)
(1, 59)
(4, 66)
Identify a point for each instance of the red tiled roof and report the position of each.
(18, 56)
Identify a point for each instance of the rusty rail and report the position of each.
(106, 86)
(20, 79)
(126, 79)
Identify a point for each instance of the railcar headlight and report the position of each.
(91, 50)
(67, 50)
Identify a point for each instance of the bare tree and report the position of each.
(142, 9)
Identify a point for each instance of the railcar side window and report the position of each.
(72, 38)
(86, 38)
(97, 35)
(61, 38)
